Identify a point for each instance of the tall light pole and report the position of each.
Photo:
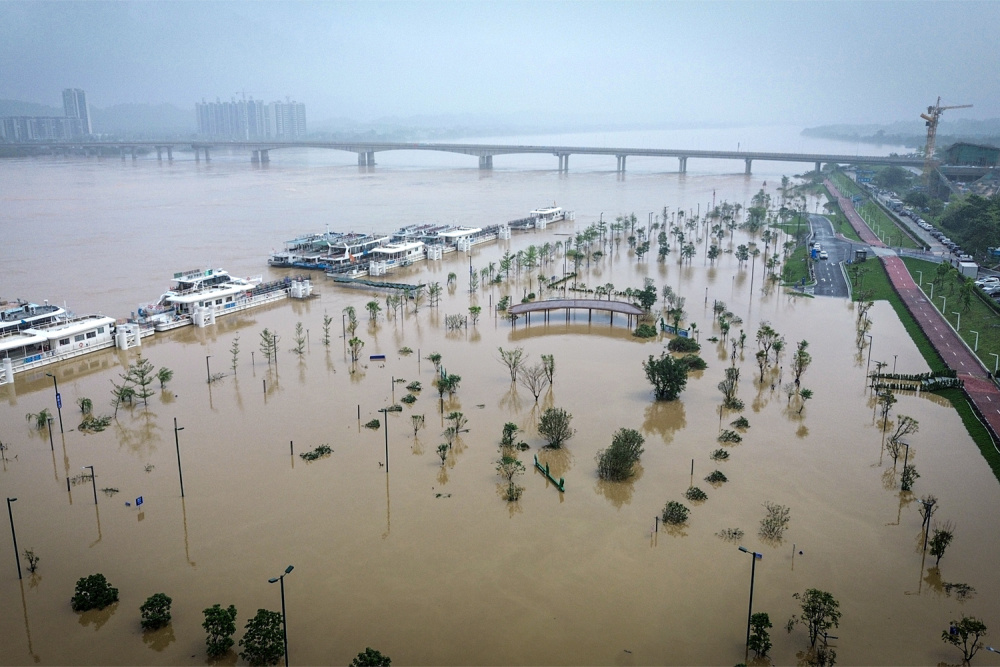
(894, 363)
(996, 363)
(753, 567)
(944, 304)
(932, 289)
(93, 480)
(208, 371)
(385, 414)
(921, 278)
(284, 619)
(55, 384)
(975, 348)
(177, 444)
(958, 320)
(870, 340)
(14, 535)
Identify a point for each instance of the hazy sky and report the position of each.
(717, 62)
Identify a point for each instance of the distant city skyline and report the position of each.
(251, 119)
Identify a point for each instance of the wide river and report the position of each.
(427, 563)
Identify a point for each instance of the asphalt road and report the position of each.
(830, 279)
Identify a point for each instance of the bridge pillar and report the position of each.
(621, 163)
(748, 161)
(264, 157)
(370, 157)
(255, 157)
(159, 154)
(133, 153)
(485, 162)
(170, 153)
(362, 159)
(207, 158)
(819, 167)
(683, 165)
(197, 154)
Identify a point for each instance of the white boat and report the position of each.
(200, 296)
(387, 257)
(20, 315)
(54, 341)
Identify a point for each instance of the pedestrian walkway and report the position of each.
(979, 387)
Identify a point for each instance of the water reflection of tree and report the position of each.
(98, 617)
(417, 448)
(140, 438)
(664, 418)
(560, 461)
(619, 493)
(510, 401)
(159, 639)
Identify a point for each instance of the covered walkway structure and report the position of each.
(590, 305)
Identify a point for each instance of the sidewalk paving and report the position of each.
(978, 386)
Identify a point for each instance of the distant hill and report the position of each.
(17, 108)
(913, 133)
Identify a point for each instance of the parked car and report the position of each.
(993, 289)
(988, 280)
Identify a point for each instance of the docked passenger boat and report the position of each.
(388, 257)
(19, 315)
(200, 296)
(53, 341)
(325, 252)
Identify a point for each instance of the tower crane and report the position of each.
(932, 117)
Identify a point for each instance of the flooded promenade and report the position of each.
(423, 561)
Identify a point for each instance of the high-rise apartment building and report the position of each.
(245, 120)
(75, 106)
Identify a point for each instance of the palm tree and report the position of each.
(374, 309)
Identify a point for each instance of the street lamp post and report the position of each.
(958, 320)
(284, 618)
(894, 363)
(93, 480)
(51, 445)
(932, 289)
(944, 303)
(385, 415)
(753, 566)
(921, 278)
(996, 363)
(55, 384)
(14, 535)
(177, 444)
(208, 371)
(975, 348)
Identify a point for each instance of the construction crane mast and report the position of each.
(932, 117)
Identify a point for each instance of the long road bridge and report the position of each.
(260, 152)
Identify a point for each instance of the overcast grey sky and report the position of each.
(715, 62)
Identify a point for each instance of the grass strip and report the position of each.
(877, 280)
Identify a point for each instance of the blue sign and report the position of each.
(138, 501)
(59, 400)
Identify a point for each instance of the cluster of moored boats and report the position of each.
(357, 255)
(34, 335)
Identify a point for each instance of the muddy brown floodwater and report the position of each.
(427, 563)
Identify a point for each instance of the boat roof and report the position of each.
(73, 326)
(207, 293)
(20, 339)
(399, 247)
(459, 232)
(546, 209)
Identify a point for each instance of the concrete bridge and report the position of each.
(260, 152)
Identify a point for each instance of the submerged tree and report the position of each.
(667, 375)
(300, 340)
(534, 379)
(820, 612)
(354, 346)
(554, 427)
(234, 351)
(513, 359)
(760, 638)
(220, 626)
(941, 539)
(617, 462)
(327, 321)
(155, 611)
(965, 635)
(262, 641)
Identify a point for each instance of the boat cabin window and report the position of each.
(64, 341)
(218, 302)
(79, 338)
(91, 334)
(100, 330)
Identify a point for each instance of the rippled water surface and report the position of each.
(426, 562)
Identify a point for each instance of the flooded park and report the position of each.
(421, 557)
